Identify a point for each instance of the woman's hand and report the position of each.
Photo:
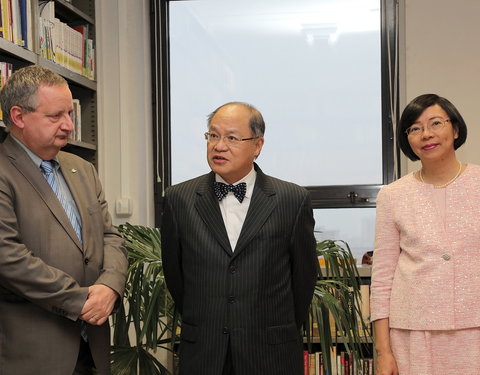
(386, 364)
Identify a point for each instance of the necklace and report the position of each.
(446, 183)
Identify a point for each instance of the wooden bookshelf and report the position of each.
(85, 89)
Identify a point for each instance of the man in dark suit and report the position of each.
(62, 264)
(239, 260)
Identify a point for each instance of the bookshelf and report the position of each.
(69, 48)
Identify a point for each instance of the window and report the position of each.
(320, 71)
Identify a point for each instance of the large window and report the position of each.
(320, 71)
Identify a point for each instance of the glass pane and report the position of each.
(312, 67)
(355, 226)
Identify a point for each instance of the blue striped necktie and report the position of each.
(50, 170)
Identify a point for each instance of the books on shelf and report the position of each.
(5, 72)
(16, 22)
(66, 45)
(343, 363)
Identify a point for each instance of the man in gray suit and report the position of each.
(239, 256)
(62, 264)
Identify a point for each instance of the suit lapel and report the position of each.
(209, 210)
(24, 164)
(262, 204)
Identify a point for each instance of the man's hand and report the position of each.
(99, 304)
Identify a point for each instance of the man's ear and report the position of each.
(16, 114)
(258, 146)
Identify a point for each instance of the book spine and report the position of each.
(306, 368)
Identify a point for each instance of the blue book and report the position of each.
(23, 21)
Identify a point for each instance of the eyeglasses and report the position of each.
(228, 139)
(434, 126)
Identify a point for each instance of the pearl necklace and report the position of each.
(445, 184)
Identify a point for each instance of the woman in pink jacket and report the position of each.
(425, 289)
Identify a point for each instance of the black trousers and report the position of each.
(228, 366)
(85, 364)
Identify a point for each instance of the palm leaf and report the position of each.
(337, 294)
(147, 304)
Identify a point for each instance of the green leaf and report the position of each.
(337, 294)
(147, 303)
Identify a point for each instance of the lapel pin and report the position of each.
(74, 170)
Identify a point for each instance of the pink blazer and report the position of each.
(426, 271)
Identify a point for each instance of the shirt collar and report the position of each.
(35, 158)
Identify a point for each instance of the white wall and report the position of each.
(441, 54)
(124, 106)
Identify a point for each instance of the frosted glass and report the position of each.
(312, 67)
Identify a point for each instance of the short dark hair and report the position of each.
(413, 111)
(22, 87)
(257, 124)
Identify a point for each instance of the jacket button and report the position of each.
(446, 256)
(86, 261)
(233, 269)
(231, 299)
(225, 330)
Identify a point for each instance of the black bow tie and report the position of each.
(221, 190)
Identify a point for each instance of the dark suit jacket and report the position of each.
(45, 270)
(256, 297)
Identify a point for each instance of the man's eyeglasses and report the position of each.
(228, 139)
(434, 126)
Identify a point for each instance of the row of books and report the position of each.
(66, 45)
(342, 363)
(16, 22)
(5, 72)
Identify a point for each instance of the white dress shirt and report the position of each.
(234, 212)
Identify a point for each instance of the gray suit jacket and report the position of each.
(45, 270)
(253, 299)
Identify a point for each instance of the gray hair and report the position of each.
(257, 124)
(22, 87)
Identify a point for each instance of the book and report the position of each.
(1, 20)
(6, 70)
(6, 20)
(23, 22)
(90, 59)
(30, 24)
(306, 368)
(16, 23)
(318, 363)
(365, 308)
(83, 29)
(311, 363)
(77, 120)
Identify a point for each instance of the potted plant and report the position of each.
(336, 304)
(147, 320)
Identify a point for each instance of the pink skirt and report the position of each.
(436, 352)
